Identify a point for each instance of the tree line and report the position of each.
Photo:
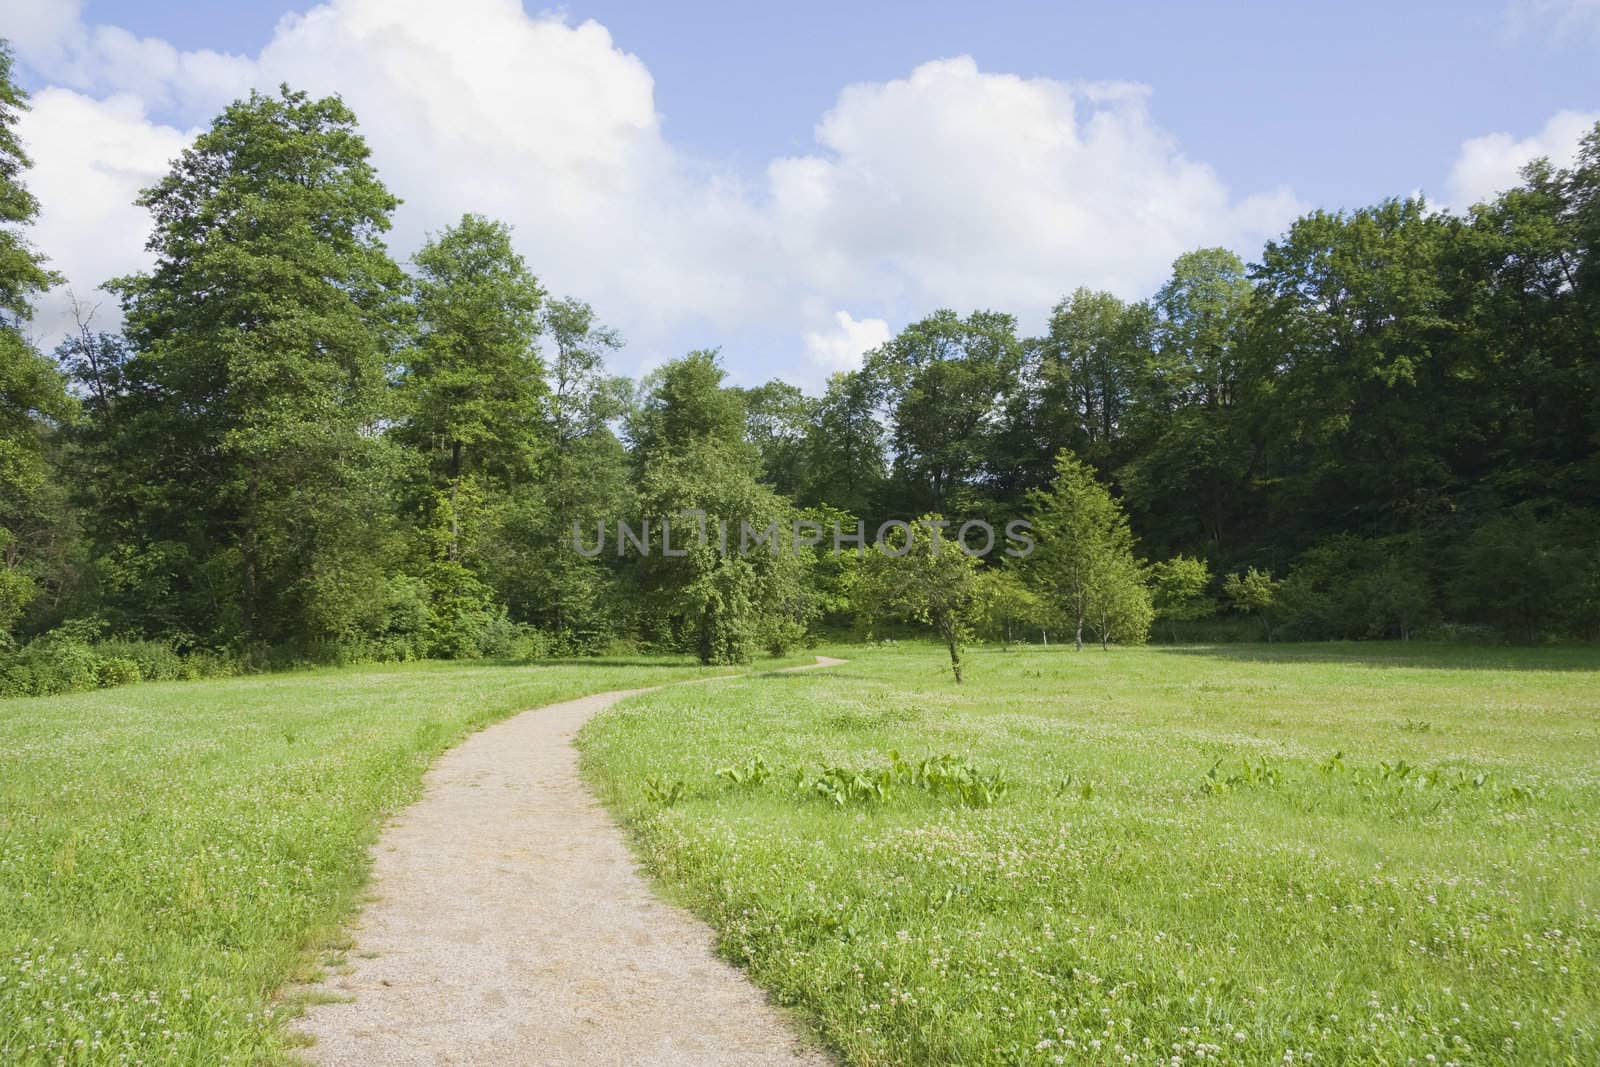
(295, 448)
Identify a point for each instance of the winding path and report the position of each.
(511, 927)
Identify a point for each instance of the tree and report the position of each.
(918, 575)
(778, 418)
(247, 492)
(1182, 591)
(584, 486)
(33, 399)
(1119, 602)
(703, 586)
(1088, 364)
(844, 447)
(23, 274)
(472, 390)
(1084, 562)
(1190, 455)
(944, 379)
(1005, 602)
(1519, 574)
(1253, 593)
(685, 403)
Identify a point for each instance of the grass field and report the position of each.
(168, 852)
(1317, 854)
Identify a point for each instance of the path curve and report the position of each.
(512, 927)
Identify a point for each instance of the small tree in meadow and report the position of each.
(912, 575)
(1084, 563)
(1005, 603)
(1182, 591)
(1119, 602)
(1254, 592)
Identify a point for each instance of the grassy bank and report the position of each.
(1324, 854)
(168, 851)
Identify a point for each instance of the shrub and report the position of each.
(49, 665)
(157, 661)
(117, 670)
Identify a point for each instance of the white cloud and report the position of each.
(958, 187)
(951, 186)
(1492, 163)
(50, 36)
(91, 158)
(40, 29)
(841, 347)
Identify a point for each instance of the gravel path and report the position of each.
(511, 926)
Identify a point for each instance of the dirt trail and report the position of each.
(511, 926)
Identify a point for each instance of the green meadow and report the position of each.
(1271, 854)
(1324, 853)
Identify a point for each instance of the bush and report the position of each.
(117, 670)
(49, 665)
(156, 660)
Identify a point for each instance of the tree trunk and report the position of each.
(1077, 636)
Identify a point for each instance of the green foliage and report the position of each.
(1085, 565)
(943, 777)
(244, 436)
(1518, 574)
(1181, 590)
(840, 786)
(663, 791)
(1006, 606)
(34, 402)
(752, 772)
(845, 446)
(945, 379)
(918, 573)
(1088, 366)
(1351, 588)
(1254, 592)
(714, 594)
(294, 452)
(68, 660)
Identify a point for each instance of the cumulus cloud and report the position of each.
(952, 186)
(1492, 163)
(50, 36)
(91, 158)
(955, 186)
(841, 348)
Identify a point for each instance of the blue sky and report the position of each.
(1248, 113)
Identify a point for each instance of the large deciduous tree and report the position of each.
(248, 481)
(472, 388)
(945, 379)
(33, 397)
(705, 587)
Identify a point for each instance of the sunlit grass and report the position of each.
(168, 852)
(1428, 896)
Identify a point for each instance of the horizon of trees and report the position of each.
(297, 449)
